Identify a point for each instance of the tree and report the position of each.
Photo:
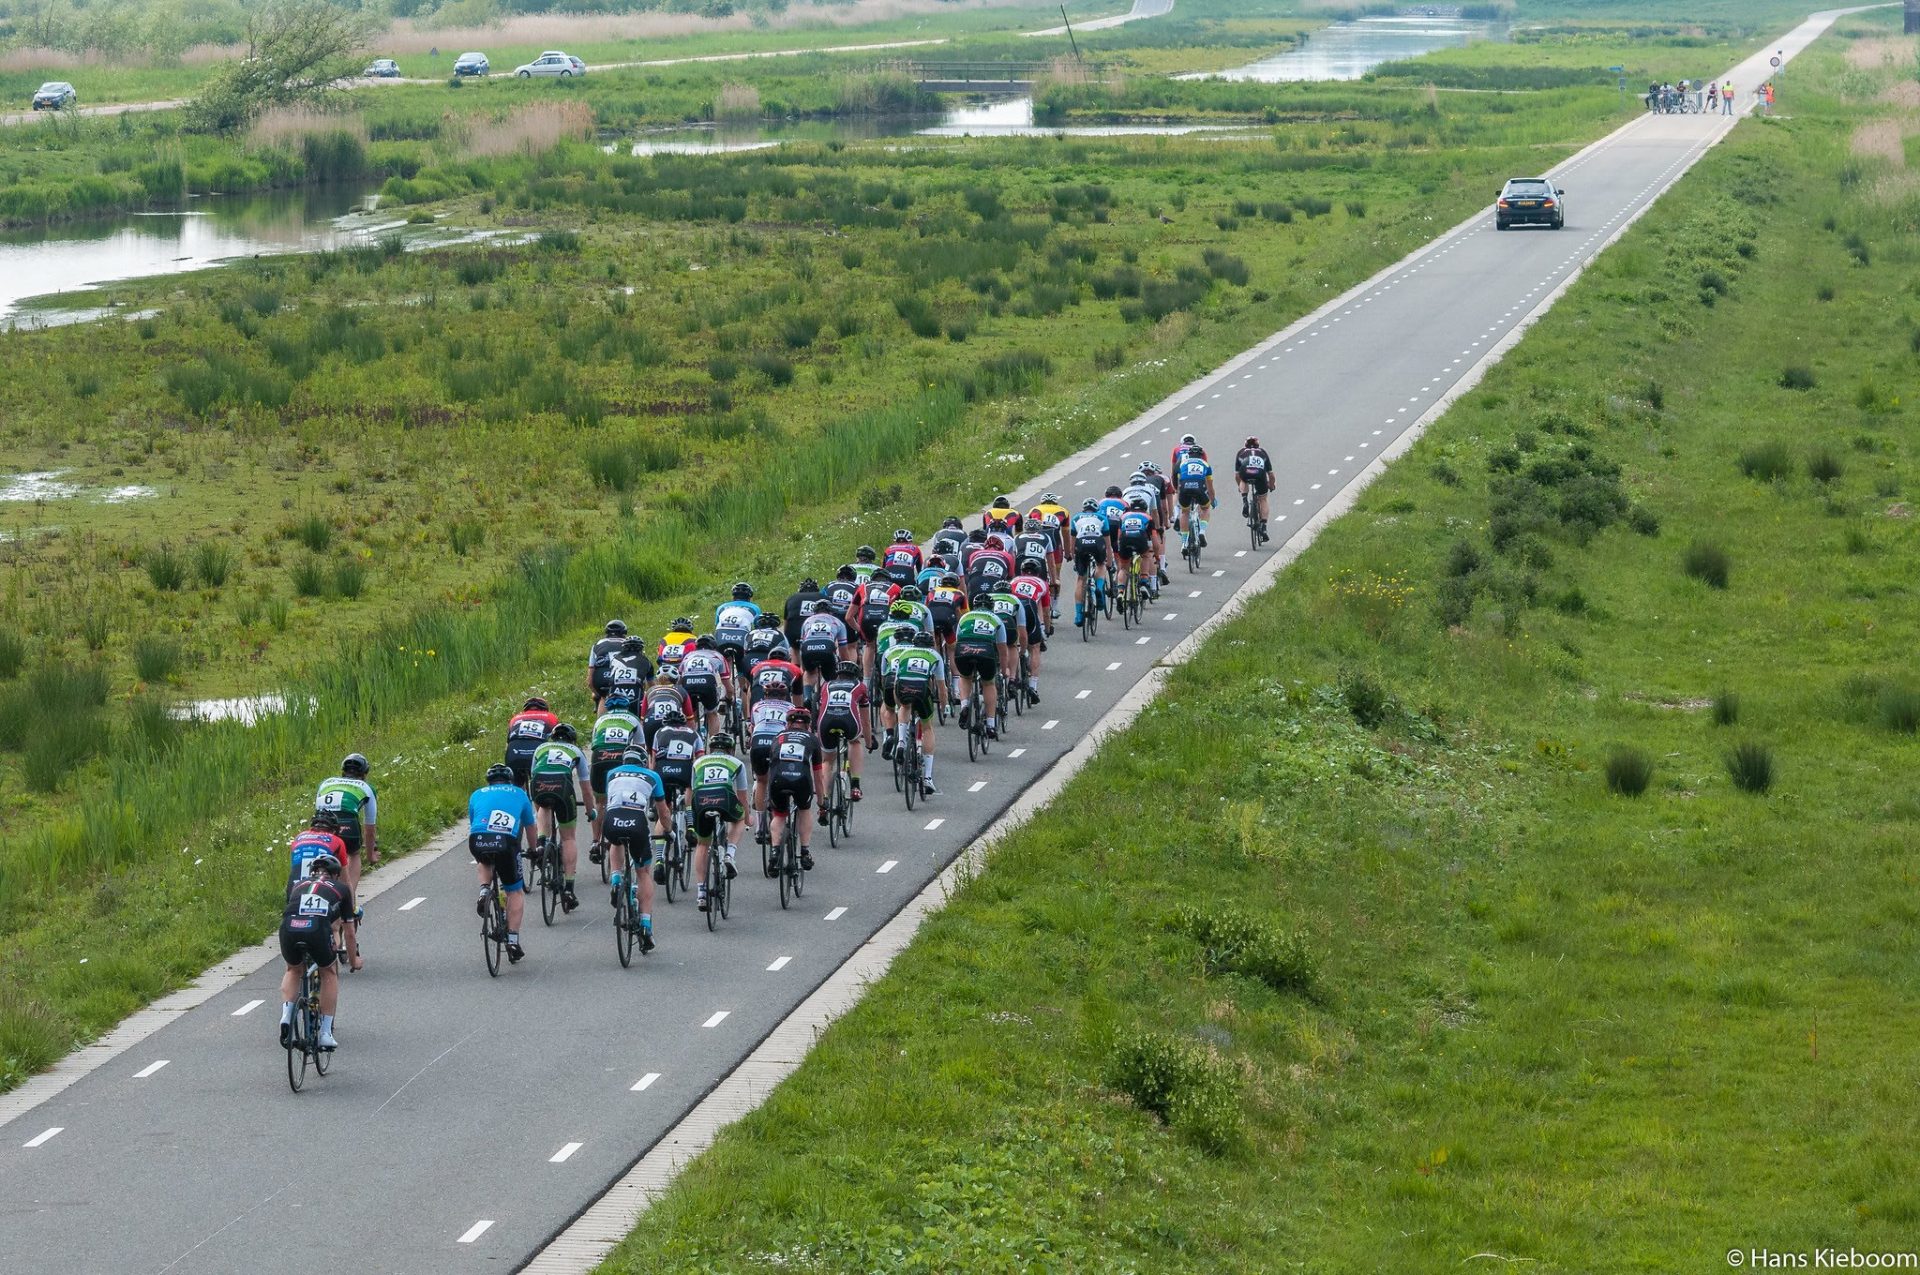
(297, 50)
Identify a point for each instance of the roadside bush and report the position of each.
(723, 368)
(776, 368)
(1227, 268)
(50, 694)
(166, 568)
(1232, 942)
(151, 725)
(1194, 1090)
(1365, 698)
(212, 563)
(1643, 520)
(618, 464)
(1463, 558)
(1629, 771)
(1797, 378)
(155, 659)
(1900, 709)
(921, 320)
(313, 531)
(309, 580)
(1822, 465)
(1708, 562)
(1015, 372)
(799, 330)
(1766, 461)
(464, 535)
(1726, 708)
(1750, 766)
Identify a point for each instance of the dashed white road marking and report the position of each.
(1050, 723)
(779, 963)
(564, 1153)
(644, 1081)
(413, 903)
(1111, 667)
(1143, 641)
(934, 824)
(150, 1068)
(719, 1016)
(475, 1231)
(1194, 594)
(1082, 694)
(41, 1139)
(888, 866)
(1220, 572)
(247, 1008)
(1018, 752)
(835, 915)
(976, 785)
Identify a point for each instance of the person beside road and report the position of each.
(350, 798)
(1726, 98)
(1713, 97)
(313, 907)
(1766, 93)
(500, 822)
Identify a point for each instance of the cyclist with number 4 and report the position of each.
(500, 823)
(560, 787)
(635, 808)
(1253, 474)
(314, 906)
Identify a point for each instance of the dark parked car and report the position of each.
(54, 95)
(471, 64)
(1530, 201)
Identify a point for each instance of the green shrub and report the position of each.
(723, 368)
(1822, 465)
(799, 330)
(1228, 269)
(1463, 558)
(212, 563)
(1797, 378)
(1750, 766)
(1183, 1082)
(350, 578)
(1726, 707)
(1766, 461)
(776, 368)
(464, 535)
(1643, 520)
(166, 568)
(155, 659)
(313, 531)
(13, 654)
(1900, 709)
(1233, 942)
(1365, 698)
(309, 579)
(277, 613)
(151, 724)
(1856, 540)
(1629, 771)
(1708, 562)
(618, 464)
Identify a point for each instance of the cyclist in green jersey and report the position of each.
(559, 787)
(611, 733)
(913, 680)
(349, 798)
(1013, 613)
(979, 652)
(718, 800)
(863, 564)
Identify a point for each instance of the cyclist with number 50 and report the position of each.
(1253, 473)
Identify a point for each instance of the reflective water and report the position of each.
(1348, 50)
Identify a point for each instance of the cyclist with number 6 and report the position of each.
(500, 823)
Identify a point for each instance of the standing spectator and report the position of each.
(1726, 98)
(1767, 91)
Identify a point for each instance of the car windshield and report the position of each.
(473, 57)
(53, 86)
(1529, 188)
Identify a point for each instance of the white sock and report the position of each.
(926, 766)
(286, 1011)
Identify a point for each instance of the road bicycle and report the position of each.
(1190, 540)
(909, 776)
(626, 915)
(303, 1043)
(493, 926)
(1254, 529)
(719, 884)
(676, 848)
(837, 810)
(787, 859)
(1091, 607)
(552, 877)
(976, 723)
(1131, 595)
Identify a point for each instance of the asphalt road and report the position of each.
(468, 1119)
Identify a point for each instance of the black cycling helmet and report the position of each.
(633, 757)
(499, 773)
(863, 554)
(565, 733)
(844, 573)
(1003, 502)
(766, 621)
(325, 821)
(324, 862)
(682, 624)
(674, 717)
(977, 536)
(951, 522)
(704, 642)
(1197, 450)
(354, 766)
(910, 593)
(632, 646)
(1113, 492)
(1252, 441)
(533, 702)
(950, 581)
(920, 637)
(800, 715)
(1032, 567)
(742, 591)
(901, 536)
(981, 600)
(1089, 505)
(809, 585)
(721, 743)
(847, 668)
(616, 628)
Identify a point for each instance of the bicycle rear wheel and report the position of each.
(669, 854)
(549, 880)
(296, 1062)
(493, 933)
(623, 936)
(716, 883)
(789, 867)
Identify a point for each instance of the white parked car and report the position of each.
(552, 63)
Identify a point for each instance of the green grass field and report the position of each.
(1459, 928)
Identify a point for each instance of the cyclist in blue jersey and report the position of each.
(1088, 532)
(732, 621)
(499, 825)
(1193, 485)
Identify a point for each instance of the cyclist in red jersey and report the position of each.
(1030, 586)
(901, 561)
(526, 731)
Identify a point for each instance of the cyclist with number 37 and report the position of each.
(499, 824)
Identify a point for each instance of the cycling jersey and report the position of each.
(1035, 544)
(628, 671)
(863, 571)
(1012, 612)
(822, 629)
(765, 644)
(1192, 473)
(499, 809)
(911, 674)
(769, 716)
(774, 679)
(1179, 451)
(1111, 507)
(673, 647)
(1136, 528)
(946, 543)
(799, 607)
(838, 598)
(989, 569)
(631, 785)
(701, 666)
(795, 755)
(1089, 530)
(673, 752)
(597, 659)
(901, 562)
(1001, 515)
(734, 619)
(350, 799)
(306, 922)
(1254, 467)
(887, 634)
(1033, 591)
(1140, 491)
(719, 772)
(945, 602)
(875, 597)
(557, 758)
(310, 845)
(929, 576)
(662, 700)
(612, 732)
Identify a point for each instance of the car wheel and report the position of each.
(1501, 225)
(566, 75)
(526, 75)
(1561, 224)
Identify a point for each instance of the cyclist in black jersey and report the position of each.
(313, 907)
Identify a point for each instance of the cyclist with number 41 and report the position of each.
(314, 906)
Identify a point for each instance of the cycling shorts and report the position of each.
(556, 793)
(946, 620)
(821, 658)
(1259, 484)
(761, 755)
(836, 728)
(1085, 555)
(797, 791)
(349, 833)
(704, 691)
(632, 828)
(676, 776)
(977, 659)
(597, 770)
(314, 943)
(1132, 547)
(1190, 496)
(501, 852)
(520, 759)
(915, 698)
(713, 809)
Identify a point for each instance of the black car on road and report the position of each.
(1530, 201)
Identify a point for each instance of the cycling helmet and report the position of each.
(721, 743)
(1252, 441)
(667, 676)
(1113, 491)
(704, 642)
(1137, 477)
(632, 646)
(765, 621)
(911, 593)
(499, 773)
(901, 536)
(977, 536)
(325, 821)
(619, 702)
(683, 624)
(844, 573)
(937, 562)
(1197, 450)
(1138, 504)
(616, 628)
(1089, 505)
(902, 611)
(742, 591)
(633, 757)
(950, 522)
(565, 733)
(1003, 502)
(863, 554)
(981, 600)
(1032, 566)
(800, 715)
(1149, 467)
(1048, 498)
(534, 702)
(920, 637)
(847, 668)
(950, 581)
(674, 717)
(356, 766)
(809, 585)
(324, 862)
(1187, 440)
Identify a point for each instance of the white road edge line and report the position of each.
(607, 1220)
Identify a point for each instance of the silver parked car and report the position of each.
(552, 62)
(55, 95)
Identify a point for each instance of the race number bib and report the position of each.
(501, 821)
(315, 905)
(793, 750)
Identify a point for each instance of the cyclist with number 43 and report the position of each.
(1089, 532)
(560, 787)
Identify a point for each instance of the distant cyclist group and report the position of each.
(769, 715)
